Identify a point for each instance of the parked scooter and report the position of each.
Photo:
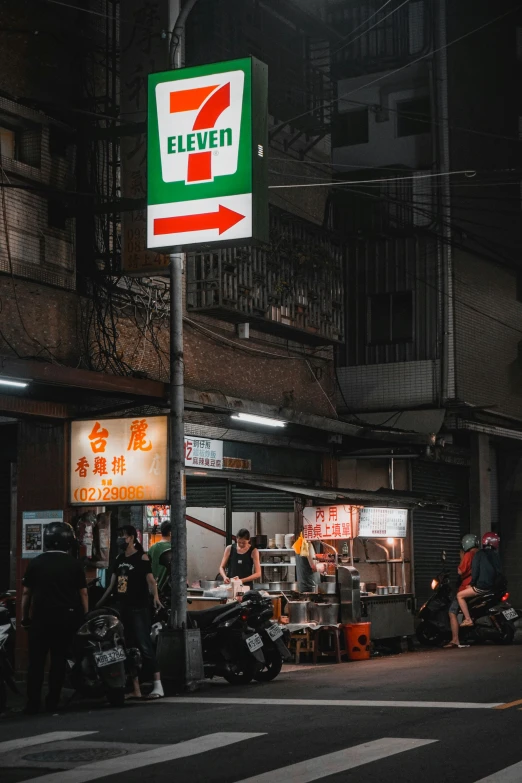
(101, 661)
(493, 617)
(7, 635)
(275, 651)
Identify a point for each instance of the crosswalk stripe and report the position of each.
(341, 761)
(116, 766)
(445, 705)
(41, 739)
(511, 774)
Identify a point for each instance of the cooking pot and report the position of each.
(291, 587)
(329, 599)
(259, 542)
(209, 585)
(324, 613)
(382, 590)
(329, 578)
(371, 587)
(261, 586)
(297, 611)
(394, 590)
(328, 588)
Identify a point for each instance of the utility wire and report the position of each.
(333, 183)
(380, 21)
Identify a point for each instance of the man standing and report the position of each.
(159, 571)
(54, 603)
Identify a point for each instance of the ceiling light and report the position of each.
(390, 540)
(259, 420)
(18, 384)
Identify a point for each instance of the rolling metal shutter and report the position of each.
(435, 530)
(245, 498)
(206, 494)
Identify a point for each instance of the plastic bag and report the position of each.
(305, 549)
(296, 546)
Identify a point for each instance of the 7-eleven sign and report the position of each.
(207, 178)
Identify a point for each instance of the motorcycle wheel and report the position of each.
(243, 674)
(116, 697)
(507, 635)
(428, 636)
(272, 667)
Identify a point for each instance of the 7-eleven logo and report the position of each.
(199, 123)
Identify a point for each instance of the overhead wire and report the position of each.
(379, 22)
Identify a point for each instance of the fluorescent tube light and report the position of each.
(18, 384)
(259, 420)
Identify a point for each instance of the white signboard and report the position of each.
(33, 525)
(383, 523)
(119, 461)
(204, 453)
(330, 522)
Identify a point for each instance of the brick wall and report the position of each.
(488, 369)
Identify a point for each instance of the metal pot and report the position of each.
(394, 590)
(286, 586)
(209, 585)
(329, 578)
(324, 614)
(382, 590)
(260, 586)
(328, 588)
(297, 611)
(330, 599)
(260, 542)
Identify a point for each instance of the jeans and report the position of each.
(45, 639)
(137, 625)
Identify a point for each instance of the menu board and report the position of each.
(33, 524)
(383, 523)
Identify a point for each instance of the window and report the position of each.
(390, 318)
(414, 117)
(350, 128)
(7, 142)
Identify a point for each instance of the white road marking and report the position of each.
(342, 760)
(41, 739)
(117, 766)
(511, 774)
(444, 705)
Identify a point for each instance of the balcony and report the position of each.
(292, 287)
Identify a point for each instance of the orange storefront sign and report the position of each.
(119, 461)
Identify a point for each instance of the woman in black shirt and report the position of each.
(241, 560)
(131, 584)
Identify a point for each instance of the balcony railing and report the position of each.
(292, 288)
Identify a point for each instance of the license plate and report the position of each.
(274, 632)
(510, 614)
(254, 642)
(107, 657)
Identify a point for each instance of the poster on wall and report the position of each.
(330, 522)
(383, 523)
(204, 453)
(119, 461)
(33, 525)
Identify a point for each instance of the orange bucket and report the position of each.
(357, 639)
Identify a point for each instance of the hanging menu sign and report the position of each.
(383, 523)
(330, 522)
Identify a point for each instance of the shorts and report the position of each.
(454, 607)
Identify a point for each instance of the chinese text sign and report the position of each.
(383, 523)
(330, 522)
(203, 453)
(119, 461)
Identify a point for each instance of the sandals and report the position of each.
(466, 624)
(450, 646)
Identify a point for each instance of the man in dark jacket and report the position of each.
(54, 603)
(486, 573)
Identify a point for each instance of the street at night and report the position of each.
(426, 716)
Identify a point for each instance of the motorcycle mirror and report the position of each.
(443, 555)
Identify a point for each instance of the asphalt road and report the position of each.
(427, 717)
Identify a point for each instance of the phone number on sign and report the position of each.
(107, 494)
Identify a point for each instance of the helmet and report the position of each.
(470, 541)
(490, 539)
(58, 536)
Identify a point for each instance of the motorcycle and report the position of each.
(7, 635)
(275, 651)
(493, 617)
(101, 661)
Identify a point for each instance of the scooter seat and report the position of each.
(206, 617)
(481, 597)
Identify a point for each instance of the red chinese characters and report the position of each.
(138, 439)
(98, 438)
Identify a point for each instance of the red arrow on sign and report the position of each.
(223, 220)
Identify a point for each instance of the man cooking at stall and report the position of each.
(241, 560)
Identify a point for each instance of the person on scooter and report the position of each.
(485, 573)
(132, 577)
(54, 603)
(470, 547)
